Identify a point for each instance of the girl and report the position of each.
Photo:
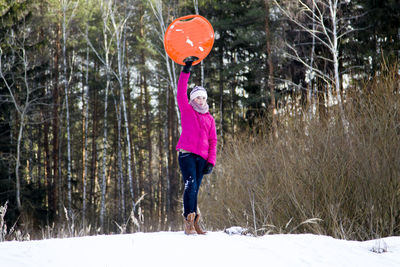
(197, 146)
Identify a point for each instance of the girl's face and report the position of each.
(200, 100)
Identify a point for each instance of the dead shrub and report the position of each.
(316, 178)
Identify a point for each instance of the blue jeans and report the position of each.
(192, 166)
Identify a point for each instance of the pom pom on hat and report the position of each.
(198, 91)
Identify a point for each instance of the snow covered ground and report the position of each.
(164, 249)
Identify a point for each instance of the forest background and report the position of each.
(305, 95)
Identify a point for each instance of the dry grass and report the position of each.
(316, 178)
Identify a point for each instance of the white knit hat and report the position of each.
(198, 91)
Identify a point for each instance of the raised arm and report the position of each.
(182, 97)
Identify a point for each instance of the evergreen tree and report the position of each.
(379, 37)
(236, 69)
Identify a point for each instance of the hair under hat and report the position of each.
(198, 91)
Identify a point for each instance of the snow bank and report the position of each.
(214, 249)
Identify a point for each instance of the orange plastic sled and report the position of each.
(189, 36)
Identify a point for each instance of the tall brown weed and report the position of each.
(322, 178)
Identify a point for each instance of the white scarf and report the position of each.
(200, 109)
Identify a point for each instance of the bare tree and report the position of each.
(23, 101)
(271, 84)
(119, 25)
(117, 32)
(173, 115)
(22, 109)
(105, 14)
(66, 5)
(86, 126)
(328, 29)
(120, 182)
(157, 7)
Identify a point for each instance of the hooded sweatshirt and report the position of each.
(199, 135)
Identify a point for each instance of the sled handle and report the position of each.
(188, 17)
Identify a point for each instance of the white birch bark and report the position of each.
(21, 111)
(86, 118)
(105, 15)
(118, 29)
(22, 107)
(311, 78)
(157, 8)
(120, 182)
(65, 5)
(333, 10)
(328, 36)
(118, 32)
(270, 82)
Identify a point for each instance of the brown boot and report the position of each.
(189, 224)
(197, 226)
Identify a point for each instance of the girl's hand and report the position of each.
(186, 68)
(208, 168)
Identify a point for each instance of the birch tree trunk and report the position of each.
(65, 5)
(119, 38)
(157, 9)
(147, 107)
(104, 164)
(328, 36)
(270, 83)
(93, 162)
(21, 109)
(55, 124)
(310, 79)
(333, 8)
(173, 116)
(47, 162)
(161, 169)
(85, 130)
(120, 176)
(17, 165)
(65, 83)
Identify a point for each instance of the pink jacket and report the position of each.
(199, 135)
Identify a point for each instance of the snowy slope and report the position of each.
(215, 249)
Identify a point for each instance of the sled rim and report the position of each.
(183, 40)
